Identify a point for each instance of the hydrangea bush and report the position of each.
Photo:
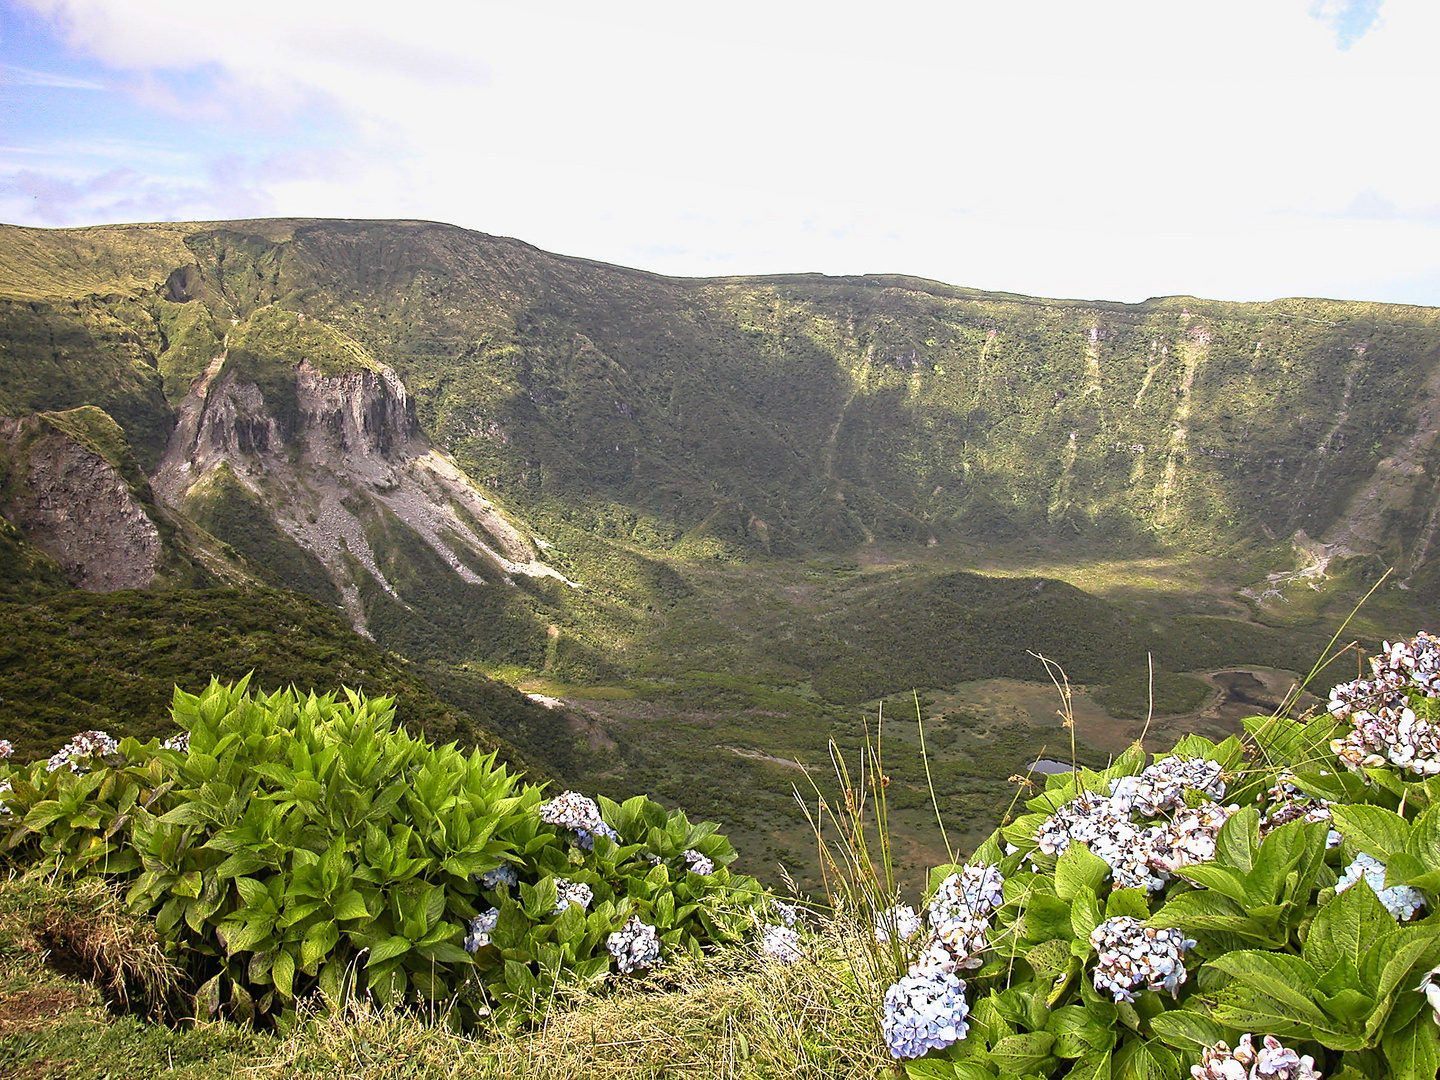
(1276, 894)
(292, 844)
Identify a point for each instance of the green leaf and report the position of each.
(934, 1069)
(1079, 1033)
(1414, 1053)
(388, 949)
(1091, 1067)
(1024, 1053)
(1140, 1060)
(1187, 1030)
(1346, 927)
(1046, 917)
(1372, 829)
(350, 905)
(1078, 868)
(282, 973)
(1084, 913)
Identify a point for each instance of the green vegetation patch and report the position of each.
(1130, 698)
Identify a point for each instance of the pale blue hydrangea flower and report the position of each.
(1402, 901)
(782, 943)
(572, 892)
(786, 913)
(977, 890)
(900, 920)
(586, 837)
(504, 874)
(1272, 1061)
(634, 946)
(481, 927)
(1162, 786)
(922, 1012)
(698, 863)
(1430, 987)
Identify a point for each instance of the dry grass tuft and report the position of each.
(734, 1015)
(82, 929)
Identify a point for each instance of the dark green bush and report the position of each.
(303, 844)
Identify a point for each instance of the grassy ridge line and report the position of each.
(74, 660)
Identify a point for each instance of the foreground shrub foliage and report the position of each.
(302, 843)
(1276, 895)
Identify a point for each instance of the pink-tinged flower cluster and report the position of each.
(1385, 729)
(1271, 1062)
(1133, 956)
(76, 754)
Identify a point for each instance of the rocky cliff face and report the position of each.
(348, 459)
(77, 508)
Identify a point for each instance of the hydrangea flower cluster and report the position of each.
(698, 863)
(1104, 824)
(179, 742)
(5, 748)
(978, 889)
(788, 914)
(85, 745)
(1144, 856)
(634, 946)
(1288, 803)
(924, 1011)
(1430, 987)
(1385, 729)
(503, 875)
(781, 943)
(1162, 786)
(1272, 1062)
(1402, 901)
(1189, 838)
(481, 927)
(900, 920)
(569, 892)
(572, 810)
(1134, 956)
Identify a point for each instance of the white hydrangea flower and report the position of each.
(502, 875)
(1384, 728)
(1189, 837)
(5, 748)
(900, 920)
(481, 927)
(788, 914)
(1134, 956)
(1104, 824)
(1402, 901)
(571, 810)
(781, 943)
(85, 745)
(698, 863)
(569, 892)
(1430, 987)
(635, 946)
(962, 934)
(934, 958)
(977, 889)
(1162, 786)
(4, 787)
(1272, 1062)
(179, 742)
(924, 1012)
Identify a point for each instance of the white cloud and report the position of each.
(1120, 149)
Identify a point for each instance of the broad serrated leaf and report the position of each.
(1372, 829)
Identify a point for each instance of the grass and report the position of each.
(735, 1014)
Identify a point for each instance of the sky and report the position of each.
(1115, 149)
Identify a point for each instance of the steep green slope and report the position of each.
(73, 660)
